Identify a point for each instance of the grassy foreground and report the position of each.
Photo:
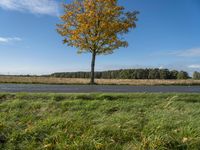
(100, 121)
(53, 80)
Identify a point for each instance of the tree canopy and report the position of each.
(96, 26)
(196, 75)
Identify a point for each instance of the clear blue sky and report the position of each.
(167, 36)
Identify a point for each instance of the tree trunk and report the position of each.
(92, 68)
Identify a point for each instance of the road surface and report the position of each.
(96, 88)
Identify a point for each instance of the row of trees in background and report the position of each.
(196, 75)
(128, 74)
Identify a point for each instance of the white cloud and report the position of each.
(47, 7)
(193, 52)
(7, 40)
(194, 66)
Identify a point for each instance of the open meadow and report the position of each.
(100, 121)
(54, 80)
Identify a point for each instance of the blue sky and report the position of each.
(167, 36)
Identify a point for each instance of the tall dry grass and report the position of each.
(53, 80)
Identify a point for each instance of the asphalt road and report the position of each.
(96, 88)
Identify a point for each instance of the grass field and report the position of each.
(52, 80)
(100, 121)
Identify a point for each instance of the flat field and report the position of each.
(100, 121)
(53, 80)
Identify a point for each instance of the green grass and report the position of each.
(100, 121)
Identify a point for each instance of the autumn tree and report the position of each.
(96, 26)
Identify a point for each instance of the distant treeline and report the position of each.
(127, 74)
(196, 75)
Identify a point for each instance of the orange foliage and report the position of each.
(96, 26)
